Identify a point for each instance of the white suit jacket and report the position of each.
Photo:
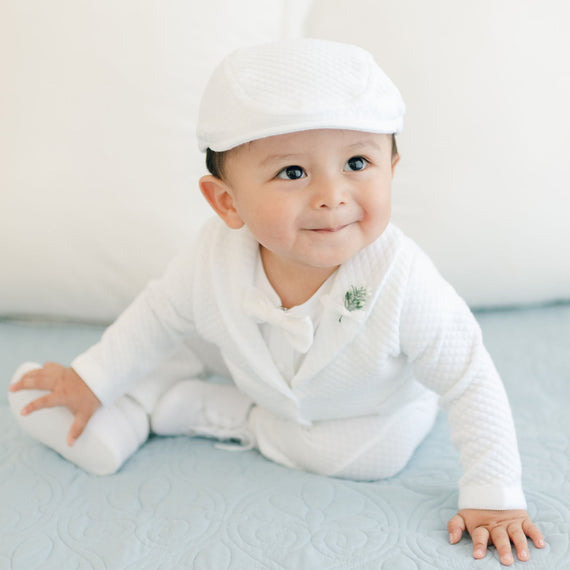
(413, 335)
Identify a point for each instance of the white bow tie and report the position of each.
(298, 330)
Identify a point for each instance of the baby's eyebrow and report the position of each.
(279, 158)
(292, 158)
(363, 145)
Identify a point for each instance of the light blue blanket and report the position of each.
(183, 503)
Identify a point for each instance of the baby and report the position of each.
(339, 336)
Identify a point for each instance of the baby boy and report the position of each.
(339, 337)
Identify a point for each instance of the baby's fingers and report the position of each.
(518, 538)
(500, 539)
(455, 527)
(531, 530)
(48, 401)
(480, 538)
(77, 427)
(34, 380)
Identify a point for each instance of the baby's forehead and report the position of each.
(310, 144)
(307, 139)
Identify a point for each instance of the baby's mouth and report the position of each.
(330, 229)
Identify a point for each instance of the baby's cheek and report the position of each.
(273, 238)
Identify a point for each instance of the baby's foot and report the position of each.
(111, 436)
(196, 407)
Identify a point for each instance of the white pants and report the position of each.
(362, 448)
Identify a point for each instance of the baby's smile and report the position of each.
(330, 229)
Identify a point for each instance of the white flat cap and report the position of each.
(296, 85)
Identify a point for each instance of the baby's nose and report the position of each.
(329, 194)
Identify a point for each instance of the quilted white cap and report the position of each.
(296, 85)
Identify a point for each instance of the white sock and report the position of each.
(112, 435)
(196, 407)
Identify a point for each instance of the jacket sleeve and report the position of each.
(143, 335)
(443, 342)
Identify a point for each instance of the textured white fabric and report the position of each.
(296, 85)
(415, 335)
(362, 448)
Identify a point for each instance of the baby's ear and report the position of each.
(395, 160)
(220, 197)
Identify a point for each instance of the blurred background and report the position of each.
(99, 164)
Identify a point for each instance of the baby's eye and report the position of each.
(291, 173)
(355, 163)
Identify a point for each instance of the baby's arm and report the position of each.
(498, 528)
(443, 341)
(66, 388)
(144, 335)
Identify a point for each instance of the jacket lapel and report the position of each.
(363, 275)
(235, 275)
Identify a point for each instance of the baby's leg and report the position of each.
(110, 437)
(197, 407)
(115, 432)
(364, 448)
(182, 364)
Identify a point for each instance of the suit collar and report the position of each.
(339, 324)
(366, 272)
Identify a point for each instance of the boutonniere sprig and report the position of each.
(350, 305)
(354, 300)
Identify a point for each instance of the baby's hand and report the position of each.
(66, 389)
(498, 528)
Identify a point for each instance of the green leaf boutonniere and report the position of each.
(355, 299)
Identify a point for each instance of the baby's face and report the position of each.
(313, 198)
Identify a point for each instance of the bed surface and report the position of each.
(182, 503)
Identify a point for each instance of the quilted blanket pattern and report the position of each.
(182, 503)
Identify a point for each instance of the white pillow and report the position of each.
(483, 184)
(99, 160)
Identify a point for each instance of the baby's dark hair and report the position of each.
(215, 161)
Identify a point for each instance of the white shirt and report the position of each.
(286, 357)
